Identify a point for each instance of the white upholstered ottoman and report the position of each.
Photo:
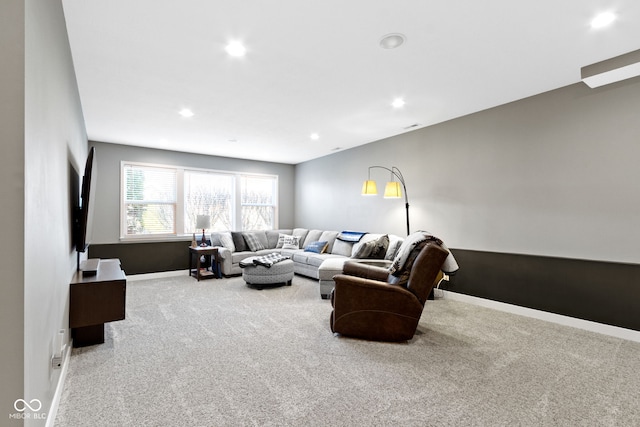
(261, 276)
(329, 268)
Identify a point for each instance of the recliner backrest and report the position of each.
(425, 269)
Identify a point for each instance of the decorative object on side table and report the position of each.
(391, 191)
(203, 222)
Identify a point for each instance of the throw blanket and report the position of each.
(265, 261)
(417, 238)
(351, 236)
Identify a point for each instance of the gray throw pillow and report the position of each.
(380, 248)
(238, 241)
(253, 242)
(365, 250)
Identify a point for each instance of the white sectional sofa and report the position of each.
(236, 246)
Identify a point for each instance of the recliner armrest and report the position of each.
(357, 292)
(374, 310)
(366, 271)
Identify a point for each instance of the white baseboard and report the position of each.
(53, 410)
(160, 275)
(614, 331)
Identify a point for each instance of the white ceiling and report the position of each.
(316, 66)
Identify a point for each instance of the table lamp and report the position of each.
(203, 221)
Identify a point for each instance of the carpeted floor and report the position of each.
(217, 353)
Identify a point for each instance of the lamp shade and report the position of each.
(392, 190)
(369, 188)
(203, 222)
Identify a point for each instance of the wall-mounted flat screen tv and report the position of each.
(83, 214)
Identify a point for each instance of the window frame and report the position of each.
(180, 200)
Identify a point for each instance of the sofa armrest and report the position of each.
(225, 260)
(366, 271)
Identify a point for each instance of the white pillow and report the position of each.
(291, 242)
(227, 241)
(281, 238)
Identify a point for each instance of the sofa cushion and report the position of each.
(312, 236)
(267, 251)
(311, 258)
(227, 241)
(301, 233)
(330, 267)
(254, 240)
(330, 238)
(300, 256)
(290, 252)
(273, 236)
(341, 247)
(317, 247)
(236, 257)
(238, 241)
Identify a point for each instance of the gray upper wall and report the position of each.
(12, 87)
(42, 135)
(106, 226)
(555, 175)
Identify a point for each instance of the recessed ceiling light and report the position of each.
(236, 49)
(185, 112)
(602, 20)
(398, 103)
(392, 41)
(415, 125)
(314, 136)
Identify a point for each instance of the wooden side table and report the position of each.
(198, 251)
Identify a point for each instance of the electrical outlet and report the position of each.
(56, 362)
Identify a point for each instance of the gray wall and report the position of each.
(42, 132)
(12, 209)
(555, 174)
(108, 156)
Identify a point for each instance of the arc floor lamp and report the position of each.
(391, 191)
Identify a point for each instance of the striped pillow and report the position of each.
(253, 242)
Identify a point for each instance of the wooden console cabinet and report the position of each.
(95, 300)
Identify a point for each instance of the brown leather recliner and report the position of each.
(366, 303)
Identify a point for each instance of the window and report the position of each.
(149, 200)
(208, 193)
(258, 202)
(165, 200)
